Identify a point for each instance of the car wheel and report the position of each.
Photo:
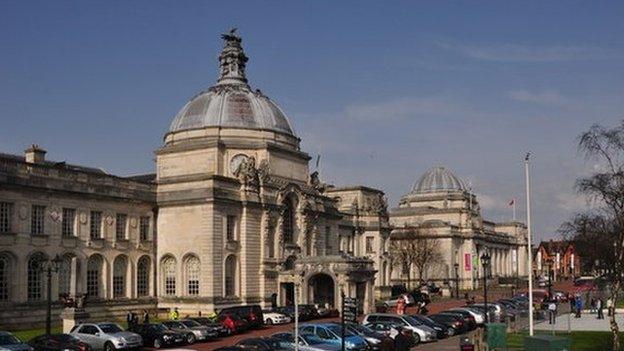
(269, 321)
(416, 339)
(451, 331)
(190, 338)
(157, 344)
(109, 346)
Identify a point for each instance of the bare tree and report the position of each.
(414, 247)
(605, 222)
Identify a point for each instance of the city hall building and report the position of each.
(232, 216)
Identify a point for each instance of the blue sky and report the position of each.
(383, 90)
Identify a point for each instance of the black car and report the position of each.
(376, 340)
(58, 342)
(469, 321)
(309, 311)
(265, 344)
(211, 324)
(441, 329)
(454, 323)
(157, 335)
(251, 313)
(305, 313)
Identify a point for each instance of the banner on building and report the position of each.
(467, 262)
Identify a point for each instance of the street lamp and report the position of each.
(549, 264)
(485, 262)
(456, 265)
(48, 267)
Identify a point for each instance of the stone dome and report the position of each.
(438, 179)
(231, 103)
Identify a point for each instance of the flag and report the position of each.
(512, 202)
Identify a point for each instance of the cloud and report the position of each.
(403, 108)
(545, 97)
(525, 53)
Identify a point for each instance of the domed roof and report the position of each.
(231, 102)
(438, 179)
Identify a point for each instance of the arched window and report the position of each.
(5, 270)
(143, 268)
(192, 271)
(35, 277)
(94, 275)
(289, 264)
(288, 222)
(231, 276)
(169, 275)
(120, 266)
(64, 276)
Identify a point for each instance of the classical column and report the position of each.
(73, 276)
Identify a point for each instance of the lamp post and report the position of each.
(48, 267)
(485, 262)
(456, 265)
(549, 264)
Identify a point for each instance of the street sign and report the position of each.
(349, 309)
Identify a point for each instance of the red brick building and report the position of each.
(560, 256)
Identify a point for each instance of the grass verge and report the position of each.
(581, 340)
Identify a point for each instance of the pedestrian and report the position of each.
(401, 341)
(145, 317)
(129, 318)
(572, 300)
(609, 307)
(135, 319)
(400, 305)
(599, 307)
(579, 307)
(174, 315)
(592, 305)
(552, 312)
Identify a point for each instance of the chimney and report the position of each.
(35, 154)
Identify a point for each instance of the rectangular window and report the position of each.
(120, 226)
(170, 284)
(119, 286)
(93, 283)
(328, 243)
(230, 228)
(144, 228)
(67, 222)
(37, 220)
(369, 244)
(193, 287)
(95, 225)
(6, 216)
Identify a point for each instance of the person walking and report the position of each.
(400, 305)
(552, 312)
(572, 300)
(145, 317)
(401, 341)
(592, 305)
(579, 307)
(129, 318)
(174, 315)
(599, 307)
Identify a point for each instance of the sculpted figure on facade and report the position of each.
(247, 174)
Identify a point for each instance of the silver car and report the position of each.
(422, 332)
(106, 336)
(191, 329)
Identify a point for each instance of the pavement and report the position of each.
(587, 322)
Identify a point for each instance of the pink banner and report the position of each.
(467, 262)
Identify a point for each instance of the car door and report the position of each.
(87, 333)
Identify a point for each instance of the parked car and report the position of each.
(275, 318)
(158, 335)
(251, 313)
(310, 311)
(391, 330)
(308, 342)
(211, 325)
(191, 330)
(331, 333)
(232, 323)
(441, 330)
(377, 341)
(305, 314)
(57, 342)
(392, 302)
(265, 344)
(469, 321)
(106, 336)
(11, 342)
(422, 333)
(499, 311)
(481, 309)
(454, 323)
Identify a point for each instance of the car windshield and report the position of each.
(362, 329)
(411, 320)
(311, 339)
(159, 327)
(8, 339)
(336, 329)
(109, 328)
(66, 338)
(173, 325)
(424, 319)
(191, 324)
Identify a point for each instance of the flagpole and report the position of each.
(514, 210)
(530, 250)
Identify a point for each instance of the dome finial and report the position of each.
(232, 60)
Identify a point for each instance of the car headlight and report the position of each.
(373, 340)
(166, 337)
(349, 345)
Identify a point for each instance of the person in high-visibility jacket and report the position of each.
(174, 315)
